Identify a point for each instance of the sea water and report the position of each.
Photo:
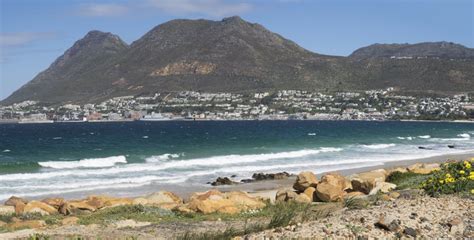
(72, 158)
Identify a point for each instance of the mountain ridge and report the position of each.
(232, 55)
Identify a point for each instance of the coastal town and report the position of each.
(377, 105)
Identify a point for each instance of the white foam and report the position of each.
(57, 138)
(379, 146)
(311, 134)
(464, 135)
(145, 137)
(405, 138)
(162, 157)
(85, 163)
(6, 150)
(424, 136)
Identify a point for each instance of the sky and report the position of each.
(34, 33)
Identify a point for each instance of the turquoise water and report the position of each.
(45, 159)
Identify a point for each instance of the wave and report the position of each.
(6, 150)
(163, 157)
(424, 136)
(405, 138)
(464, 135)
(311, 134)
(380, 146)
(57, 138)
(150, 167)
(85, 163)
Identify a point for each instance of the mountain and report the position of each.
(445, 50)
(234, 55)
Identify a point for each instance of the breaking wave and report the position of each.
(379, 146)
(85, 163)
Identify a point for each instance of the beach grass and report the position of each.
(407, 180)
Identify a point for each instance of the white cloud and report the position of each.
(214, 8)
(22, 38)
(103, 10)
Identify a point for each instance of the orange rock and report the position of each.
(334, 179)
(328, 193)
(305, 180)
(310, 192)
(70, 221)
(40, 207)
(55, 202)
(27, 224)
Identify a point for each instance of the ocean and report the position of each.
(39, 160)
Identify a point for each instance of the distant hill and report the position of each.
(234, 55)
(444, 50)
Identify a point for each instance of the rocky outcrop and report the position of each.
(185, 68)
(305, 180)
(162, 199)
(329, 193)
(270, 176)
(18, 203)
(223, 181)
(284, 195)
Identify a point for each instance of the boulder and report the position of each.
(310, 192)
(13, 200)
(98, 201)
(65, 209)
(335, 180)
(329, 193)
(305, 180)
(163, 198)
(245, 202)
(40, 207)
(398, 169)
(27, 224)
(55, 202)
(69, 221)
(354, 195)
(303, 198)
(285, 195)
(223, 181)
(7, 210)
(82, 205)
(383, 187)
(423, 168)
(215, 201)
(365, 182)
(18, 203)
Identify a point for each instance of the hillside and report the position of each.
(234, 55)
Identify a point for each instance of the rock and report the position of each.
(329, 193)
(65, 209)
(69, 221)
(388, 223)
(410, 232)
(385, 197)
(118, 202)
(285, 195)
(223, 181)
(394, 195)
(40, 207)
(305, 180)
(365, 182)
(354, 195)
(310, 192)
(335, 180)
(18, 203)
(215, 201)
(455, 224)
(248, 180)
(2, 224)
(451, 146)
(423, 168)
(270, 176)
(7, 210)
(13, 200)
(303, 198)
(27, 224)
(55, 202)
(383, 187)
(81, 205)
(163, 197)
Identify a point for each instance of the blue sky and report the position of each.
(34, 33)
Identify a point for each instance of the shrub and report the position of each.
(455, 177)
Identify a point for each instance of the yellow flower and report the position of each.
(472, 191)
(471, 177)
(462, 172)
(467, 164)
(441, 181)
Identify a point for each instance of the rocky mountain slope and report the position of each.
(234, 55)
